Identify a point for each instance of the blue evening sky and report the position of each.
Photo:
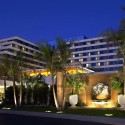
(34, 20)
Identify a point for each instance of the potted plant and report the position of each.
(75, 83)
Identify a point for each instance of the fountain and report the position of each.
(100, 95)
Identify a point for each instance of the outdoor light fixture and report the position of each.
(48, 111)
(109, 115)
(6, 108)
(59, 112)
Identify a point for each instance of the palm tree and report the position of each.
(20, 59)
(63, 53)
(117, 38)
(48, 54)
(4, 72)
(13, 72)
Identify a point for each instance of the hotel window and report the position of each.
(88, 42)
(88, 65)
(76, 55)
(93, 58)
(97, 42)
(84, 54)
(76, 60)
(97, 58)
(92, 42)
(98, 64)
(106, 63)
(98, 52)
(72, 61)
(76, 49)
(80, 54)
(73, 55)
(80, 60)
(88, 54)
(76, 44)
(26, 49)
(93, 53)
(13, 45)
(88, 59)
(23, 48)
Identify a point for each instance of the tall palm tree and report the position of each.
(13, 72)
(63, 53)
(117, 38)
(48, 54)
(3, 72)
(20, 59)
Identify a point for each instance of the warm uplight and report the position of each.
(101, 96)
(74, 70)
(48, 111)
(59, 112)
(102, 104)
(42, 72)
(109, 115)
(45, 72)
(6, 108)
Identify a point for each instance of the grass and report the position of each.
(98, 112)
(81, 111)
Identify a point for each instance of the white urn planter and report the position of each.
(121, 100)
(73, 100)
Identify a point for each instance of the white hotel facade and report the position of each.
(94, 54)
(10, 46)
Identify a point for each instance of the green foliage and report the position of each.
(9, 100)
(76, 82)
(40, 93)
(62, 54)
(116, 82)
(80, 103)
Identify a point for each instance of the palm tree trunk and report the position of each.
(14, 92)
(64, 90)
(4, 87)
(54, 94)
(21, 90)
(124, 76)
(60, 88)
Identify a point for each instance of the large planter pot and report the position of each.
(121, 100)
(73, 100)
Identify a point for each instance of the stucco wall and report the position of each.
(86, 94)
(100, 78)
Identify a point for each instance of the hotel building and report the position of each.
(94, 54)
(9, 47)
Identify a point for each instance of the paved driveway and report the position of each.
(9, 119)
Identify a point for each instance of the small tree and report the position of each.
(117, 83)
(76, 83)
